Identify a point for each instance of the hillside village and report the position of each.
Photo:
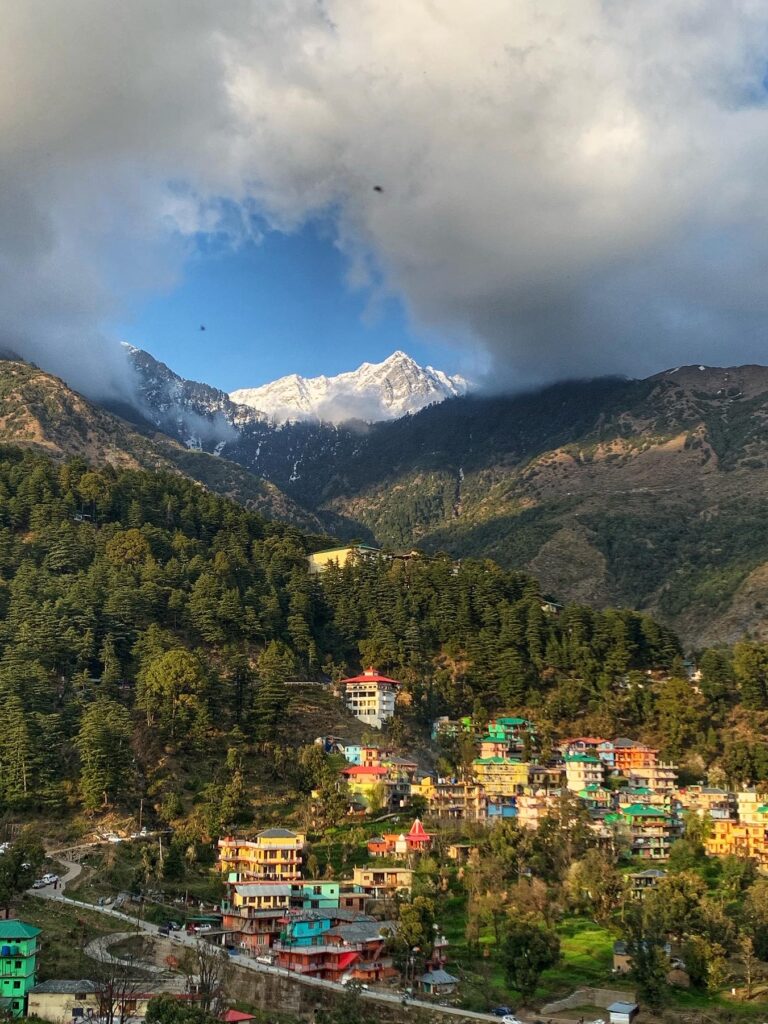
(480, 819)
(355, 929)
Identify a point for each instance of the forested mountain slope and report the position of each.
(37, 410)
(147, 627)
(650, 493)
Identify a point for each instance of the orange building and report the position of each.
(629, 755)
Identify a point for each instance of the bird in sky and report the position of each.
(377, 188)
(202, 327)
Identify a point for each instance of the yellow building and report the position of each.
(68, 1000)
(500, 776)
(320, 560)
(740, 838)
(659, 777)
(752, 807)
(275, 854)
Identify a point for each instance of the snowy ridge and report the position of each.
(372, 392)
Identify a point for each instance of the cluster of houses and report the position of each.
(319, 928)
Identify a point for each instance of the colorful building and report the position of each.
(740, 839)
(660, 777)
(354, 951)
(629, 755)
(582, 770)
(371, 697)
(393, 844)
(651, 831)
(500, 776)
(18, 964)
(275, 854)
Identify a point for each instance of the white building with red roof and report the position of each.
(371, 697)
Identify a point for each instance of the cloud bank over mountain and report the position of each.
(577, 187)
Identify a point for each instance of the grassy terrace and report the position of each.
(66, 931)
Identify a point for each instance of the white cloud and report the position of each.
(577, 186)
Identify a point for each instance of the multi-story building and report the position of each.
(274, 855)
(252, 911)
(18, 964)
(534, 805)
(354, 951)
(739, 838)
(642, 881)
(629, 755)
(582, 770)
(456, 799)
(660, 777)
(378, 882)
(596, 798)
(707, 800)
(500, 776)
(752, 807)
(514, 732)
(650, 830)
(371, 697)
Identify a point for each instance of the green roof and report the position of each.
(583, 759)
(762, 809)
(593, 787)
(511, 721)
(17, 930)
(639, 789)
(495, 760)
(642, 811)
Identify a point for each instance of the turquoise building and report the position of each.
(312, 895)
(18, 964)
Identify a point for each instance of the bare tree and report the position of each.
(209, 969)
(119, 980)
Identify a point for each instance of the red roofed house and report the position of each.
(370, 697)
(236, 1017)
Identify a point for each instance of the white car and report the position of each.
(510, 1019)
(50, 879)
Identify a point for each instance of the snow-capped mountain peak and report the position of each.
(374, 391)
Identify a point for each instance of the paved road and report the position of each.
(98, 949)
(249, 964)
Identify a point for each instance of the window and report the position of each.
(17, 984)
(17, 964)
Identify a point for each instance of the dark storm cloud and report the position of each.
(575, 187)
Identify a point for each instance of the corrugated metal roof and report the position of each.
(17, 930)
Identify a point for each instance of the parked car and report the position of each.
(50, 879)
(39, 884)
(203, 927)
(174, 926)
(509, 1018)
(164, 930)
(266, 958)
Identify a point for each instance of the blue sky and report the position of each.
(270, 308)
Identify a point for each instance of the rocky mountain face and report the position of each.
(647, 493)
(372, 392)
(38, 410)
